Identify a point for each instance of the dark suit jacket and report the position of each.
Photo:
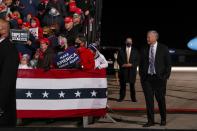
(162, 62)
(9, 61)
(128, 74)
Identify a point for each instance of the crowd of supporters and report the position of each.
(61, 24)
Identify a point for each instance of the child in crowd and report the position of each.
(34, 61)
(24, 62)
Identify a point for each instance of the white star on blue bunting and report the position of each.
(93, 93)
(45, 94)
(61, 94)
(78, 94)
(28, 94)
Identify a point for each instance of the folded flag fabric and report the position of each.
(61, 93)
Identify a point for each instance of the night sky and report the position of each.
(176, 22)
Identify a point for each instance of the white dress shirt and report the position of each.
(154, 52)
(128, 52)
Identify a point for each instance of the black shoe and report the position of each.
(148, 124)
(163, 123)
(119, 100)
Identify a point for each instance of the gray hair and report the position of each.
(154, 32)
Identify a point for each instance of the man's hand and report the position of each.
(29, 42)
(127, 65)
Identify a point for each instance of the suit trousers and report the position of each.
(123, 90)
(154, 86)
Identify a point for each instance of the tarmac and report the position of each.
(181, 102)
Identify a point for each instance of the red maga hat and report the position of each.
(78, 11)
(19, 21)
(26, 24)
(44, 41)
(68, 19)
(45, 1)
(72, 6)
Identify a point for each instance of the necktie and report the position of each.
(152, 60)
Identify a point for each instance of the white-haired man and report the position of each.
(154, 70)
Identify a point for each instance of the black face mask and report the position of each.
(77, 45)
(128, 44)
(55, 32)
(46, 35)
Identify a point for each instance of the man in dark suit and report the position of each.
(154, 70)
(9, 61)
(128, 61)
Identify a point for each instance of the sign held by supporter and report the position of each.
(34, 32)
(68, 58)
(19, 35)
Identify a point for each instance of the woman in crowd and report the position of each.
(86, 56)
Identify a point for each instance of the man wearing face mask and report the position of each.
(128, 61)
(9, 60)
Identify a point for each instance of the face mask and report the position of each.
(62, 41)
(46, 35)
(128, 44)
(56, 32)
(77, 45)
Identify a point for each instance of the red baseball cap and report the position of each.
(26, 24)
(19, 21)
(45, 1)
(72, 6)
(78, 11)
(44, 41)
(68, 19)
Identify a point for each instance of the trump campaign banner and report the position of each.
(34, 32)
(67, 58)
(61, 93)
(17, 35)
